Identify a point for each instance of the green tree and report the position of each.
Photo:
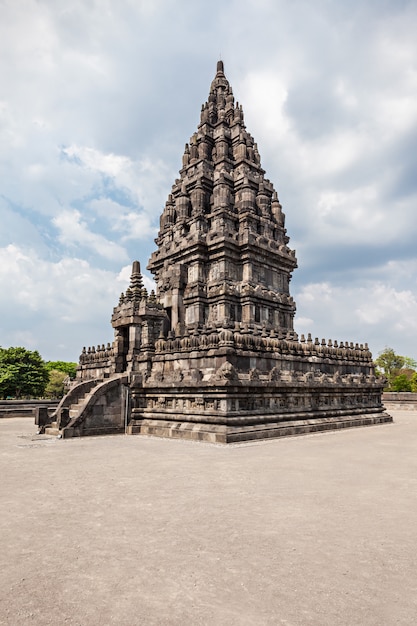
(389, 362)
(62, 366)
(56, 385)
(22, 373)
(401, 383)
(410, 363)
(396, 366)
(413, 382)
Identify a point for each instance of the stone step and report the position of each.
(52, 430)
(76, 405)
(76, 408)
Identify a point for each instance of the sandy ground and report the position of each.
(319, 529)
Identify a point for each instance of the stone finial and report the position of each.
(220, 67)
(135, 267)
(136, 282)
(186, 156)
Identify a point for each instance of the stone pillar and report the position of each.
(135, 340)
(41, 417)
(176, 300)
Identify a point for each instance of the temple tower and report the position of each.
(223, 252)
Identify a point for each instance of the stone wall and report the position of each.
(24, 408)
(404, 401)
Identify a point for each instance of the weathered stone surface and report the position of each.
(213, 355)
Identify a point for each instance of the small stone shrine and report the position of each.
(213, 355)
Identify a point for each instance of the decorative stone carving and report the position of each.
(225, 373)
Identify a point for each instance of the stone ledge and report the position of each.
(68, 433)
(24, 408)
(229, 434)
(400, 401)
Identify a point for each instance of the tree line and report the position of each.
(24, 374)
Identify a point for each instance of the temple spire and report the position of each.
(221, 218)
(136, 282)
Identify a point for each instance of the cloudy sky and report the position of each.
(98, 97)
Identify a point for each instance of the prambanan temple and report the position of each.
(213, 354)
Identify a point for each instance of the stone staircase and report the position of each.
(76, 408)
(74, 412)
(71, 402)
(94, 406)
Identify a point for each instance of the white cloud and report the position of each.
(74, 232)
(377, 313)
(357, 211)
(270, 109)
(69, 289)
(386, 305)
(135, 226)
(144, 182)
(112, 165)
(55, 307)
(131, 224)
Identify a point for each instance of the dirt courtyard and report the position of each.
(319, 529)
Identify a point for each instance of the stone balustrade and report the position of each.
(98, 354)
(242, 337)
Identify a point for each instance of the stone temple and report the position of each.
(213, 355)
